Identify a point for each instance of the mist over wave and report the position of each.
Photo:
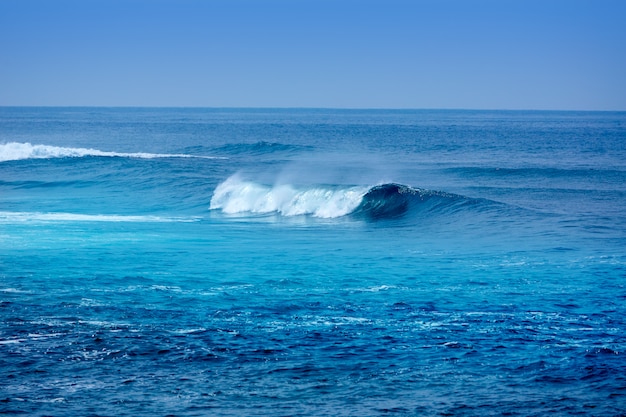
(15, 151)
(260, 148)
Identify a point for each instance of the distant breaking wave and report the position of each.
(20, 217)
(15, 151)
(385, 201)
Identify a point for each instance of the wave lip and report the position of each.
(16, 151)
(236, 196)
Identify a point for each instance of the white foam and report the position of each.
(235, 196)
(14, 291)
(18, 217)
(11, 341)
(14, 151)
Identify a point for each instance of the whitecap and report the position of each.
(14, 291)
(235, 196)
(15, 151)
(11, 341)
(19, 217)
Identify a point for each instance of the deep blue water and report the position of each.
(250, 262)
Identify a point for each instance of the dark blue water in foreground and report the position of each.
(196, 262)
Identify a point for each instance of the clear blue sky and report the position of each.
(476, 54)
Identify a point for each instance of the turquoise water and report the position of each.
(250, 262)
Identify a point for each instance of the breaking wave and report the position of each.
(15, 151)
(385, 201)
(20, 217)
(235, 196)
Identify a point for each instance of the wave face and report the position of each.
(235, 196)
(389, 201)
(15, 151)
(385, 201)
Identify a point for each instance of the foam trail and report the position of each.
(235, 196)
(19, 217)
(15, 151)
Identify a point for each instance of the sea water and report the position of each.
(301, 262)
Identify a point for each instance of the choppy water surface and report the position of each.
(312, 262)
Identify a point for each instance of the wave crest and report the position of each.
(235, 196)
(15, 151)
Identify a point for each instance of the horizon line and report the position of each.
(308, 108)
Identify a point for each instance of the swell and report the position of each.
(542, 172)
(32, 184)
(385, 201)
(16, 151)
(258, 148)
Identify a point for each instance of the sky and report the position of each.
(433, 54)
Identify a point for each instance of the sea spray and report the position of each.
(236, 195)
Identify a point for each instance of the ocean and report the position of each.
(312, 262)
